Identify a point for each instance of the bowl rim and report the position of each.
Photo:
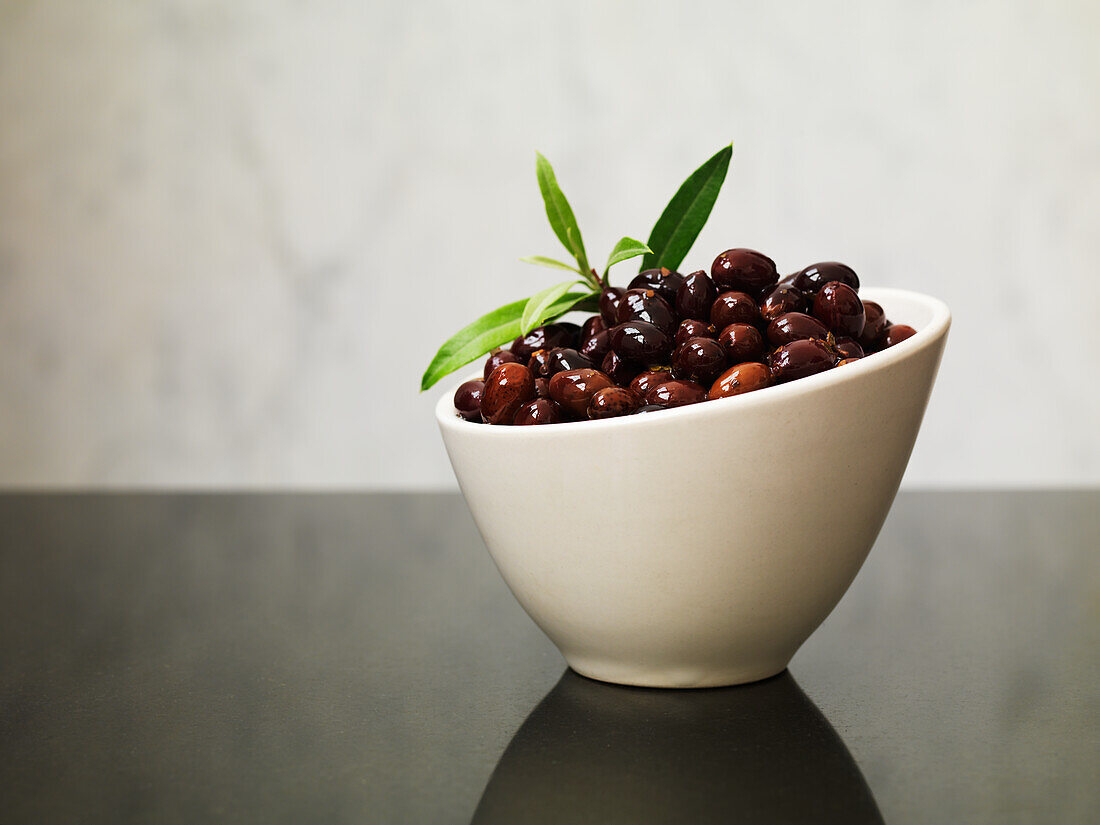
(926, 336)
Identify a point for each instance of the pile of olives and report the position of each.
(668, 340)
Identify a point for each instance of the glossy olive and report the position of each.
(794, 326)
(692, 329)
(546, 337)
(849, 348)
(495, 359)
(567, 358)
(620, 371)
(508, 387)
(664, 282)
(468, 400)
(733, 308)
(739, 379)
(874, 324)
(590, 327)
(596, 347)
(700, 360)
(643, 382)
(539, 411)
(741, 342)
(695, 296)
(611, 402)
(676, 393)
(609, 303)
(800, 359)
(815, 276)
(781, 299)
(539, 363)
(573, 389)
(838, 307)
(640, 342)
(646, 305)
(570, 331)
(896, 333)
(745, 270)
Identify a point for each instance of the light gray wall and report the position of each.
(233, 234)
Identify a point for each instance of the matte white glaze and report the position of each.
(701, 546)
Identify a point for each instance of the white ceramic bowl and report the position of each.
(701, 546)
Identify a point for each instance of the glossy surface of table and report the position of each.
(356, 658)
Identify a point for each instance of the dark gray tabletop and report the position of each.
(356, 658)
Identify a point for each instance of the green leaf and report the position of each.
(539, 260)
(539, 303)
(625, 249)
(497, 328)
(559, 212)
(683, 218)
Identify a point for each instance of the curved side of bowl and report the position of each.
(701, 546)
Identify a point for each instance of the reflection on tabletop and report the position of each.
(593, 752)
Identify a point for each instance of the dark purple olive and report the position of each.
(590, 327)
(539, 363)
(508, 387)
(744, 270)
(640, 342)
(565, 358)
(849, 348)
(896, 333)
(815, 276)
(838, 307)
(676, 393)
(780, 300)
(620, 371)
(740, 378)
(547, 337)
(695, 296)
(596, 347)
(648, 408)
(699, 360)
(571, 330)
(646, 305)
(664, 282)
(468, 400)
(794, 326)
(611, 402)
(874, 324)
(799, 359)
(741, 342)
(692, 329)
(643, 382)
(539, 411)
(733, 308)
(609, 303)
(573, 389)
(495, 359)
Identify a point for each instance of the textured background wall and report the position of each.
(232, 234)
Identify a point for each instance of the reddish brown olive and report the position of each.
(468, 400)
(542, 387)
(546, 337)
(849, 348)
(800, 359)
(640, 342)
(896, 333)
(495, 359)
(508, 387)
(695, 296)
(699, 360)
(733, 308)
(539, 411)
(782, 299)
(643, 382)
(745, 270)
(794, 326)
(612, 402)
(566, 358)
(676, 393)
(664, 282)
(838, 307)
(573, 389)
(692, 329)
(874, 324)
(741, 342)
(815, 276)
(596, 347)
(539, 363)
(646, 305)
(590, 327)
(740, 378)
(609, 304)
(618, 370)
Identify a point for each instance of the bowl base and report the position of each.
(620, 673)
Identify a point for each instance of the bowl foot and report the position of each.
(681, 676)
